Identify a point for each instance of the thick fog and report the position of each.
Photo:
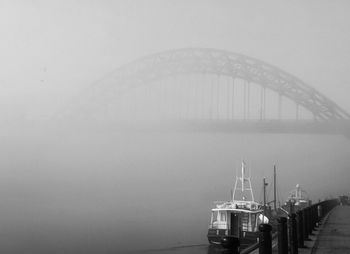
(70, 186)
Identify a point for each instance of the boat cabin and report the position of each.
(298, 198)
(236, 219)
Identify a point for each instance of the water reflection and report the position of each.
(212, 249)
(191, 249)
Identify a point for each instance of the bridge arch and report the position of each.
(219, 62)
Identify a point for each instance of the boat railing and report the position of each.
(246, 205)
(220, 202)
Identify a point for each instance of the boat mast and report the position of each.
(250, 187)
(243, 181)
(264, 184)
(234, 189)
(274, 188)
(298, 192)
(242, 178)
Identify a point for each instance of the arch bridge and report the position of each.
(209, 88)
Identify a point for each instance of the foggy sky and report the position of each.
(50, 50)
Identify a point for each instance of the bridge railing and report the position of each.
(292, 231)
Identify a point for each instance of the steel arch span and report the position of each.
(218, 62)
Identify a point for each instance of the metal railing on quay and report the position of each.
(293, 230)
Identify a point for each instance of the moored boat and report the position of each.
(235, 222)
(298, 199)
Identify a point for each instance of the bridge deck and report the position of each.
(335, 235)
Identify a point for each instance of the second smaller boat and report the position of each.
(298, 198)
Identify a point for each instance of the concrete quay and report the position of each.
(334, 235)
(331, 236)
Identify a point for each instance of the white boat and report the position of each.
(234, 223)
(298, 197)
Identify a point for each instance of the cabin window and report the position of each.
(219, 220)
(223, 216)
(214, 217)
(253, 218)
(253, 222)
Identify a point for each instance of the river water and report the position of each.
(146, 192)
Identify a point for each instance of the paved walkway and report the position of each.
(334, 237)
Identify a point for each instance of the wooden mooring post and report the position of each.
(282, 235)
(265, 239)
(293, 237)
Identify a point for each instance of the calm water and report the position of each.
(193, 249)
(145, 191)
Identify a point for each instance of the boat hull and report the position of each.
(228, 241)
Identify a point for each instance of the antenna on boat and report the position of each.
(274, 187)
(234, 189)
(245, 183)
(264, 184)
(242, 176)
